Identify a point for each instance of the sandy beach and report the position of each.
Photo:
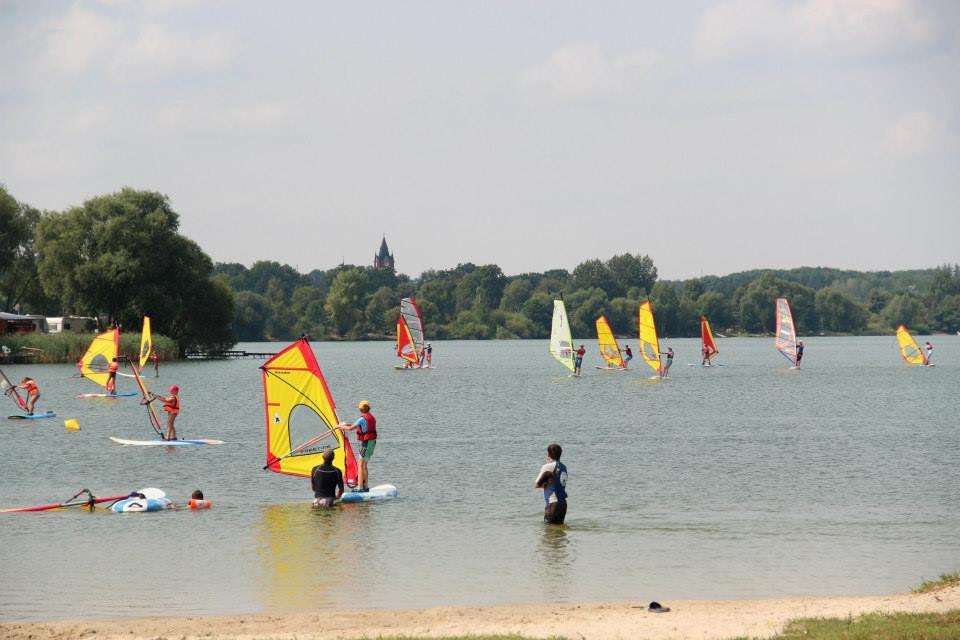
(594, 621)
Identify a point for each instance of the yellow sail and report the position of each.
(95, 363)
(301, 416)
(649, 344)
(609, 348)
(146, 342)
(909, 350)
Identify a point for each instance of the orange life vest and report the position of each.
(172, 405)
(200, 504)
(32, 388)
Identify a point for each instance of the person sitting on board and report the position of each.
(668, 363)
(366, 427)
(929, 353)
(327, 482)
(429, 351)
(33, 392)
(171, 404)
(112, 377)
(799, 354)
(578, 361)
(627, 355)
(197, 501)
(553, 480)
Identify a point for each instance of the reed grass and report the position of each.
(49, 348)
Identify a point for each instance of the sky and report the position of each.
(714, 137)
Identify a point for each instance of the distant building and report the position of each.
(71, 324)
(383, 259)
(16, 323)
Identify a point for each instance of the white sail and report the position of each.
(561, 342)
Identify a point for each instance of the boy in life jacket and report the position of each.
(171, 404)
(33, 393)
(112, 377)
(366, 426)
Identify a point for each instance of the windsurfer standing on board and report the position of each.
(669, 363)
(929, 353)
(366, 427)
(171, 404)
(112, 377)
(578, 361)
(799, 353)
(627, 355)
(33, 392)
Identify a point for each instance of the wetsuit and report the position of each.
(799, 354)
(325, 480)
(553, 478)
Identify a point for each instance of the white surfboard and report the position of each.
(164, 443)
(379, 492)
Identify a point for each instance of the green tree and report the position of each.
(120, 255)
(839, 312)
(628, 271)
(877, 299)
(666, 309)
(382, 310)
(947, 317)
(306, 304)
(583, 309)
(481, 290)
(515, 294)
(907, 309)
(539, 310)
(593, 274)
(345, 302)
(19, 281)
(250, 316)
(717, 309)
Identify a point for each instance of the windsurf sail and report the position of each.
(909, 350)
(649, 343)
(146, 342)
(609, 348)
(301, 416)
(561, 342)
(708, 346)
(786, 334)
(95, 363)
(152, 417)
(410, 331)
(10, 390)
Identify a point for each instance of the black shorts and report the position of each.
(555, 512)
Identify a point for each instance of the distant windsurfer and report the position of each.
(171, 404)
(799, 353)
(366, 427)
(553, 480)
(707, 353)
(928, 349)
(112, 377)
(156, 364)
(627, 355)
(33, 392)
(429, 351)
(327, 481)
(578, 361)
(668, 363)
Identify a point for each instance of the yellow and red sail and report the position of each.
(709, 347)
(95, 363)
(649, 343)
(301, 416)
(909, 349)
(609, 348)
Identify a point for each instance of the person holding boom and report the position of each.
(366, 427)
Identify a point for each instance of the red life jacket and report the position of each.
(113, 367)
(32, 388)
(172, 405)
(371, 433)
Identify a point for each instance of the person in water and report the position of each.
(799, 353)
(578, 360)
(553, 480)
(668, 363)
(327, 482)
(33, 393)
(429, 351)
(627, 355)
(928, 349)
(171, 404)
(197, 501)
(366, 427)
(112, 377)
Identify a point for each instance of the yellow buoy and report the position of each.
(71, 425)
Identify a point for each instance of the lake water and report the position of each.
(736, 481)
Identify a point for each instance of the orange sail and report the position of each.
(406, 349)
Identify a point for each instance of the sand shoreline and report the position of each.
(593, 621)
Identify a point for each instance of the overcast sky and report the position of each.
(713, 136)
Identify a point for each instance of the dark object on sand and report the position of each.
(656, 607)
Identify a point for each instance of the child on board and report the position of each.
(366, 428)
(553, 480)
(171, 404)
(928, 348)
(429, 351)
(668, 363)
(326, 481)
(706, 356)
(112, 377)
(156, 364)
(578, 361)
(627, 355)
(799, 353)
(33, 392)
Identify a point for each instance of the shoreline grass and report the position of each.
(945, 580)
(57, 348)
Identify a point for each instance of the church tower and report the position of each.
(383, 258)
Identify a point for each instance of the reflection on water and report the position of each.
(556, 556)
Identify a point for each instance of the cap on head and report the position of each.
(364, 405)
(174, 389)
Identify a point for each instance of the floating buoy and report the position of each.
(71, 425)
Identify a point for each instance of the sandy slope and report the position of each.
(614, 621)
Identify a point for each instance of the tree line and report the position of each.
(120, 256)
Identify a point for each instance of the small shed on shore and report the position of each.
(15, 323)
